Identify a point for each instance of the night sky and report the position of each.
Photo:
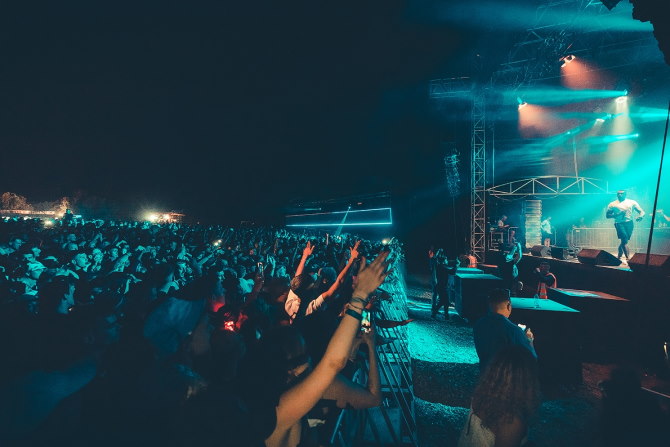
(223, 110)
(231, 110)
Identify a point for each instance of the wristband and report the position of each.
(351, 313)
(351, 306)
(357, 298)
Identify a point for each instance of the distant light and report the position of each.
(152, 217)
(48, 223)
(600, 120)
(621, 99)
(385, 241)
(166, 216)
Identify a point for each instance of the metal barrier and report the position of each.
(605, 238)
(393, 423)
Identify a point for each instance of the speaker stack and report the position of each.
(532, 212)
(657, 263)
(594, 256)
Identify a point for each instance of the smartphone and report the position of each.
(523, 327)
(365, 321)
(260, 267)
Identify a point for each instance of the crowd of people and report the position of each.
(139, 333)
(144, 334)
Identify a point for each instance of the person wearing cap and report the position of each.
(34, 270)
(495, 331)
(621, 210)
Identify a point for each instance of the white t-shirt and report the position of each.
(623, 211)
(292, 305)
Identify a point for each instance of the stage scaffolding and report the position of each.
(464, 88)
(534, 190)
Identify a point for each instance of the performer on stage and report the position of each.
(621, 210)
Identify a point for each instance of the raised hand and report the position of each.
(372, 276)
(308, 250)
(354, 250)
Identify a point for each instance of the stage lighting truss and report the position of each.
(535, 56)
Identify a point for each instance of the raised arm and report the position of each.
(343, 274)
(306, 253)
(350, 394)
(297, 401)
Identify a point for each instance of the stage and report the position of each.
(644, 325)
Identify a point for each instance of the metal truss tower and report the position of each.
(478, 176)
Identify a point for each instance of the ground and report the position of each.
(445, 372)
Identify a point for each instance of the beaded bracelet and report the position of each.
(351, 313)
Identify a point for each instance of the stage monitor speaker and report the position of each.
(561, 253)
(539, 250)
(657, 263)
(594, 256)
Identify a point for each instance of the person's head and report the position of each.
(15, 243)
(113, 253)
(621, 195)
(96, 255)
(57, 297)
(544, 267)
(499, 302)
(37, 251)
(303, 285)
(503, 217)
(35, 270)
(80, 260)
(327, 276)
(508, 388)
(72, 237)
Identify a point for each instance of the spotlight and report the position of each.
(600, 120)
(522, 105)
(152, 217)
(567, 59)
(621, 99)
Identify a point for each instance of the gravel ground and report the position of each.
(445, 372)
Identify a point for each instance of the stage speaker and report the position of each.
(657, 263)
(594, 256)
(561, 253)
(539, 250)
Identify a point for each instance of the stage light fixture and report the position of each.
(567, 59)
(522, 105)
(621, 99)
